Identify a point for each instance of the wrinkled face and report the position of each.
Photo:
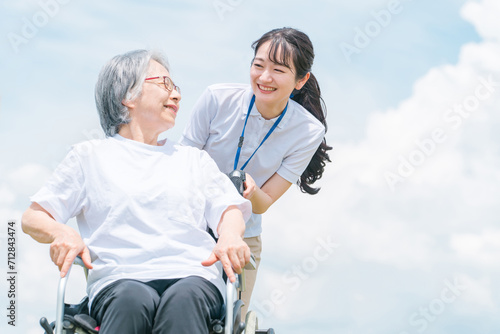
(272, 83)
(156, 108)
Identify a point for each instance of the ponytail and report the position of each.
(288, 46)
(310, 98)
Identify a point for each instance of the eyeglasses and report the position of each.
(167, 82)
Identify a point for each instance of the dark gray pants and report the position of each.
(174, 306)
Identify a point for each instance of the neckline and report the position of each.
(165, 143)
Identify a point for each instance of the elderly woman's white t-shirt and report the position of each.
(142, 210)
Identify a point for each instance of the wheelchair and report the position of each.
(75, 319)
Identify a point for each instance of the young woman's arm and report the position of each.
(263, 198)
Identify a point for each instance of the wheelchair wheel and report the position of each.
(251, 324)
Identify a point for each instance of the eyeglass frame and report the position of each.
(165, 80)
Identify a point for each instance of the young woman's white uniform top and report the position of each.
(216, 124)
(142, 210)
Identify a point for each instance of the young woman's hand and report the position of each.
(250, 187)
(262, 198)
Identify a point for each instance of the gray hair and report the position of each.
(120, 80)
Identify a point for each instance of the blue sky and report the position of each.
(403, 237)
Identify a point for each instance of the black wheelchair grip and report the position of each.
(238, 178)
(45, 325)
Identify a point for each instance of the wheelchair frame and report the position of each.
(234, 326)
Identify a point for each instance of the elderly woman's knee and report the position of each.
(125, 304)
(193, 292)
(133, 295)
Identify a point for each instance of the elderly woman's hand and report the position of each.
(65, 243)
(231, 250)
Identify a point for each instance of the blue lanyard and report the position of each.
(240, 143)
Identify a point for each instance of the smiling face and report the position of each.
(156, 108)
(272, 83)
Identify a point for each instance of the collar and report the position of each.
(254, 112)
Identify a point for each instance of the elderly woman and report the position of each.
(143, 209)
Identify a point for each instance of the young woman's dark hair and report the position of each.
(288, 44)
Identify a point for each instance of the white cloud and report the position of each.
(6, 196)
(20, 5)
(477, 297)
(392, 243)
(484, 16)
(478, 249)
(28, 178)
(7, 210)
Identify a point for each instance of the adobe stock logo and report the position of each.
(31, 26)
(293, 278)
(224, 6)
(453, 118)
(363, 36)
(421, 320)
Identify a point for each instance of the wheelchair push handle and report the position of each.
(251, 265)
(238, 177)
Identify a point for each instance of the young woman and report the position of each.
(272, 129)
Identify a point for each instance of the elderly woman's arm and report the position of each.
(231, 249)
(65, 243)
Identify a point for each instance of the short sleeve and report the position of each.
(294, 164)
(220, 193)
(63, 194)
(197, 130)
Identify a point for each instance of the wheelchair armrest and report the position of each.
(79, 261)
(232, 290)
(251, 265)
(61, 290)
